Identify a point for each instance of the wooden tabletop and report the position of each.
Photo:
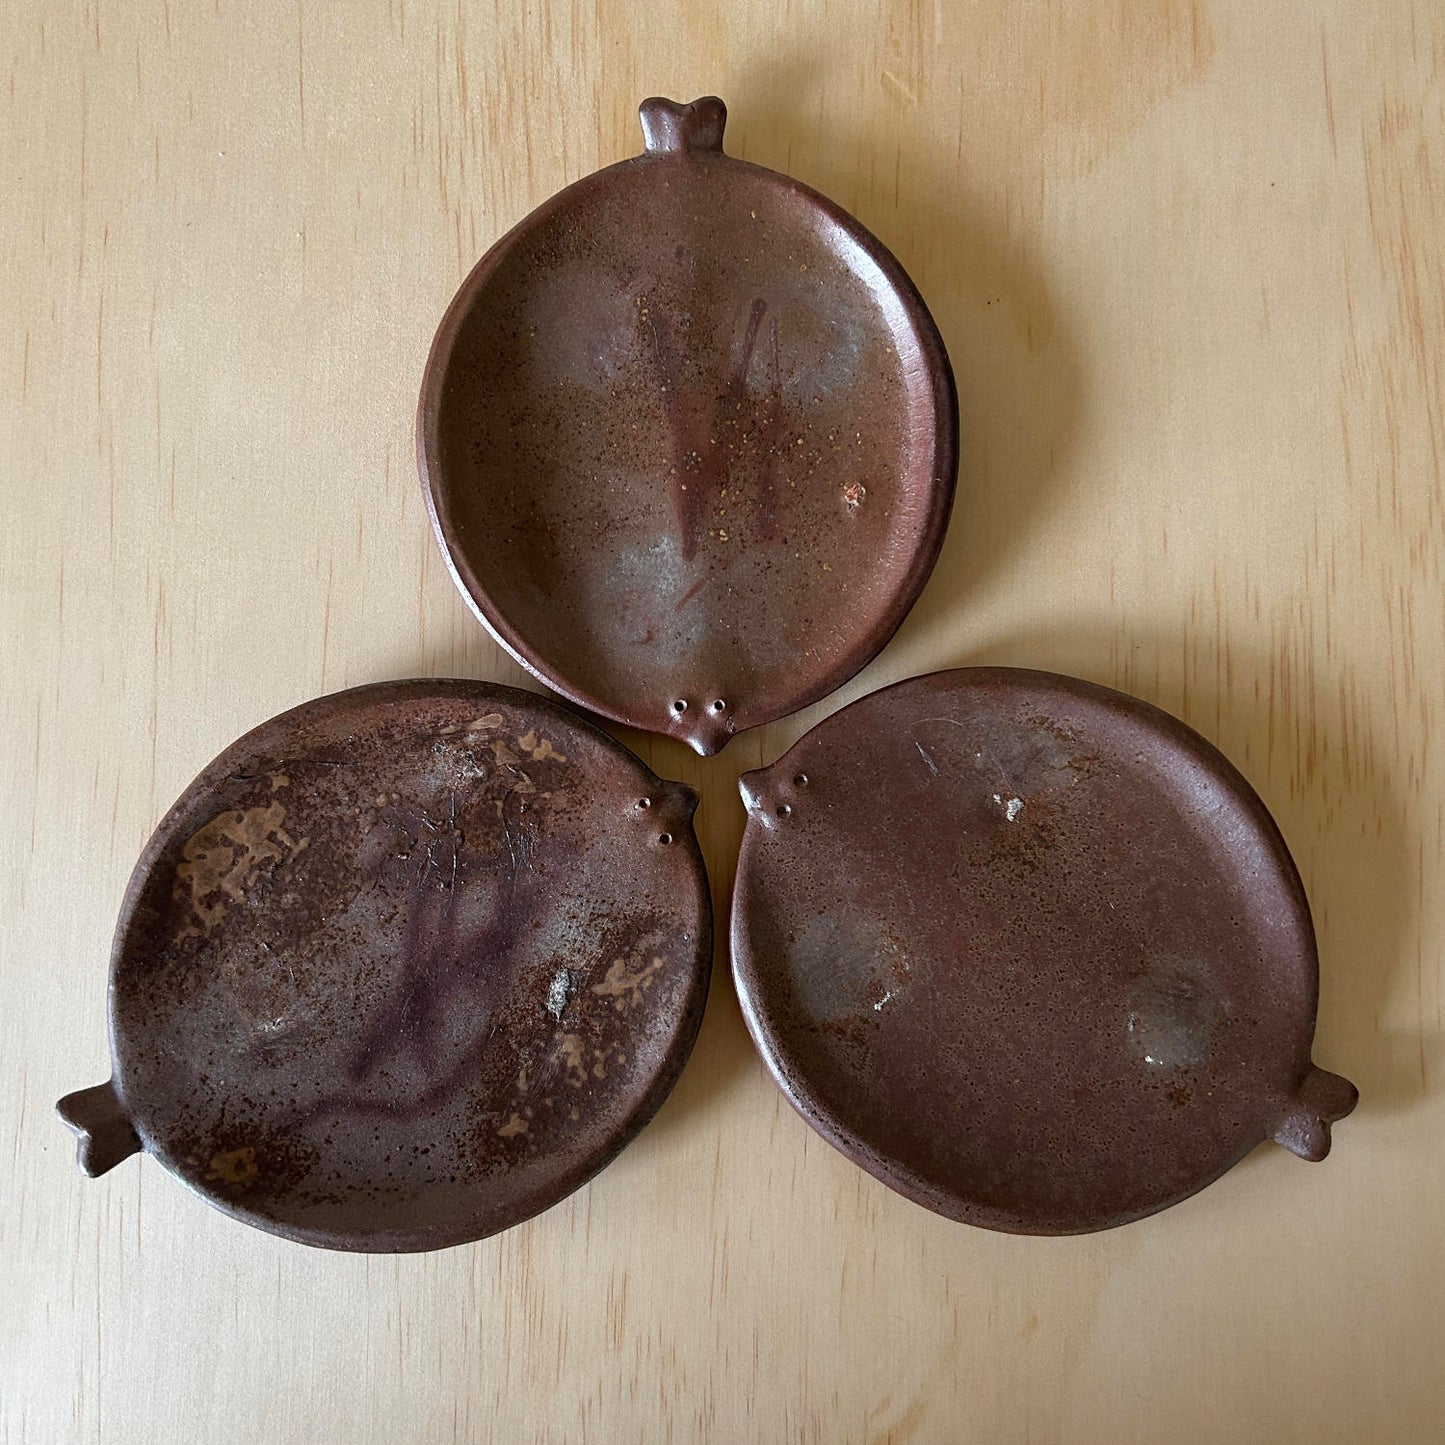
(1187, 259)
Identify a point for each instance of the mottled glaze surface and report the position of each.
(689, 438)
(403, 967)
(1030, 951)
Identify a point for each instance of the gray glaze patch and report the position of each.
(849, 968)
(1172, 1012)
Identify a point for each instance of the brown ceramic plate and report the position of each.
(1028, 950)
(402, 967)
(689, 438)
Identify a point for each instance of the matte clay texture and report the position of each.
(1030, 951)
(403, 967)
(689, 437)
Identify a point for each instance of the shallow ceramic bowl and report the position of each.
(1030, 951)
(689, 438)
(402, 967)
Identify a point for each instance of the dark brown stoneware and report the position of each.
(403, 967)
(1028, 950)
(689, 438)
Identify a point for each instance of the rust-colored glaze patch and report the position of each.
(221, 860)
(715, 407)
(236, 1167)
(1028, 950)
(405, 966)
(627, 979)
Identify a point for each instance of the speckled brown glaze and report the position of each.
(1030, 951)
(689, 438)
(403, 967)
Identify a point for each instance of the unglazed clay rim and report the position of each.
(674, 1055)
(771, 1042)
(751, 709)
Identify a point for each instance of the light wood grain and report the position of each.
(1187, 258)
